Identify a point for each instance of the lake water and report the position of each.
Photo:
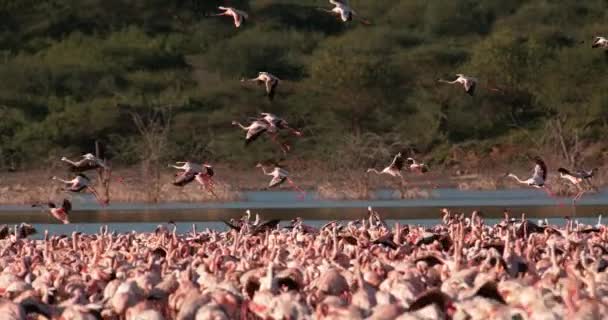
(87, 216)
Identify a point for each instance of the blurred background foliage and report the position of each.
(74, 71)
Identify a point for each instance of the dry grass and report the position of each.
(34, 186)
(480, 182)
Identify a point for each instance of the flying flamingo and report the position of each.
(88, 162)
(193, 171)
(468, 83)
(187, 166)
(277, 123)
(205, 178)
(279, 176)
(79, 183)
(414, 165)
(274, 125)
(577, 178)
(61, 213)
(600, 42)
(394, 169)
(343, 10)
(257, 128)
(270, 81)
(538, 178)
(254, 130)
(238, 15)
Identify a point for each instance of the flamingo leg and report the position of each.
(209, 184)
(295, 187)
(284, 146)
(102, 203)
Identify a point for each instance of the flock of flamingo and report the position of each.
(268, 124)
(461, 268)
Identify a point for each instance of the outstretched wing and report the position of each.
(231, 226)
(267, 225)
(83, 165)
(397, 162)
(254, 133)
(540, 169)
(271, 87)
(67, 205)
(184, 178)
(469, 86)
(278, 180)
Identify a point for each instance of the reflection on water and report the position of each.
(283, 205)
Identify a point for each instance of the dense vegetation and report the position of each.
(154, 78)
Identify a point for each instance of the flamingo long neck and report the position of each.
(266, 172)
(446, 81)
(69, 161)
(517, 178)
(179, 167)
(61, 180)
(242, 126)
(374, 171)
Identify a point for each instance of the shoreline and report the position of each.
(234, 185)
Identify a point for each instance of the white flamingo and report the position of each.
(414, 165)
(279, 176)
(79, 183)
(187, 166)
(344, 11)
(600, 42)
(88, 162)
(270, 81)
(238, 16)
(539, 175)
(394, 169)
(538, 178)
(254, 130)
(577, 178)
(468, 83)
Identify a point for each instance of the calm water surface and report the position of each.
(123, 217)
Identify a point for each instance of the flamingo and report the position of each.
(270, 81)
(79, 183)
(343, 10)
(538, 178)
(274, 125)
(88, 162)
(576, 178)
(394, 169)
(254, 130)
(279, 176)
(468, 83)
(416, 166)
(277, 123)
(61, 213)
(600, 42)
(238, 15)
(187, 167)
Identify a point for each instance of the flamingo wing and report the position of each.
(469, 86)
(271, 86)
(276, 181)
(254, 133)
(67, 205)
(184, 178)
(397, 162)
(83, 165)
(540, 170)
